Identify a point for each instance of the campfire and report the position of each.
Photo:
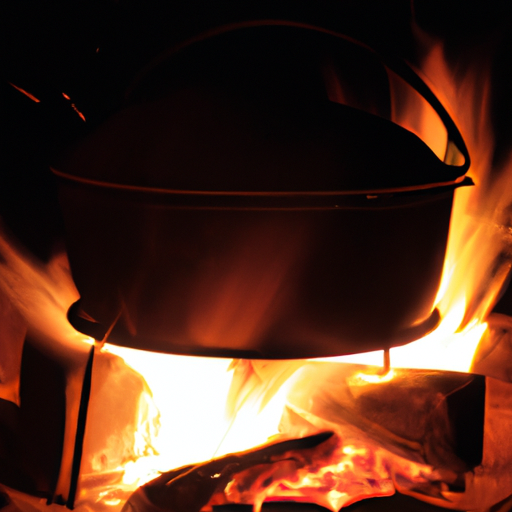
(148, 431)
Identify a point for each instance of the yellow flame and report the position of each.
(375, 378)
(478, 259)
(190, 393)
(442, 349)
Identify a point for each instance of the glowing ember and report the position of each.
(26, 93)
(334, 477)
(329, 473)
(74, 107)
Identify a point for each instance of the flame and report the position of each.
(476, 268)
(445, 348)
(339, 475)
(479, 252)
(41, 292)
(195, 425)
(192, 409)
(478, 259)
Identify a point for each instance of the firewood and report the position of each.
(190, 488)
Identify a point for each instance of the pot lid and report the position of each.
(273, 107)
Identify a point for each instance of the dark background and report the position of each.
(91, 49)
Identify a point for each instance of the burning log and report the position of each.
(190, 488)
(407, 430)
(421, 433)
(440, 437)
(417, 414)
(494, 355)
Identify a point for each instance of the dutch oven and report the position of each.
(266, 191)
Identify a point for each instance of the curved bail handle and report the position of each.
(457, 155)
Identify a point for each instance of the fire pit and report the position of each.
(409, 427)
(80, 418)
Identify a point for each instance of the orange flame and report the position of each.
(476, 267)
(200, 408)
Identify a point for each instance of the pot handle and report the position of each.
(456, 156)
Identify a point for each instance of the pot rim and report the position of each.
(369, 193)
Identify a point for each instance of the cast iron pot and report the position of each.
(238, 206)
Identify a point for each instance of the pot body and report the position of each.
(242, 203)
(259, 277)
